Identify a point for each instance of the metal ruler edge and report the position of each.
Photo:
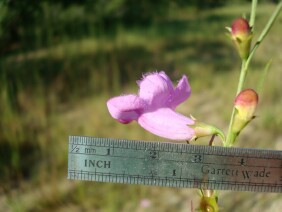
(174, 165)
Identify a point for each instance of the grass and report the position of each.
(50, 93)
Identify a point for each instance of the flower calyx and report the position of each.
(202, 129)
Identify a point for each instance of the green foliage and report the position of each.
(26, 24)
(48, 23)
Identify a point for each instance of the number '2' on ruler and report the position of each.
(174, 165)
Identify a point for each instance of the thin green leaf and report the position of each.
(265, 31)
(263, 77)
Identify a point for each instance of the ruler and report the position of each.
(174, 165)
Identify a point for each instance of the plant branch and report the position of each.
(230, 139)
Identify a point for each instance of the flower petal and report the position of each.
(156, 89)
(181, 93)
(169, 83)
(126, 108)
(167, 123)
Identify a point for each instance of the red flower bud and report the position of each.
(240, 28)
(245, 104)
(241, 34)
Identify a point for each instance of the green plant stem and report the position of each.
(253, 13)
(230, 136)
(245, 64)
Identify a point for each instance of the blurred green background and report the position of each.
(61, 60)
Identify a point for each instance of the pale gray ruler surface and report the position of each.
(174, 165)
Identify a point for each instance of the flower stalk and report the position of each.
(230, 139)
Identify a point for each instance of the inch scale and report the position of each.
(174, 165)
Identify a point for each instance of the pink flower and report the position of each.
(154, 107)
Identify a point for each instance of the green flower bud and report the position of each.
(209, 201)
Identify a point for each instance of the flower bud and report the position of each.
(245, 105)
(241, 35)
(209, 201)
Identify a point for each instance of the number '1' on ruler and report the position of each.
(174, 165)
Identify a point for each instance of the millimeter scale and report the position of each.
(174, 164)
